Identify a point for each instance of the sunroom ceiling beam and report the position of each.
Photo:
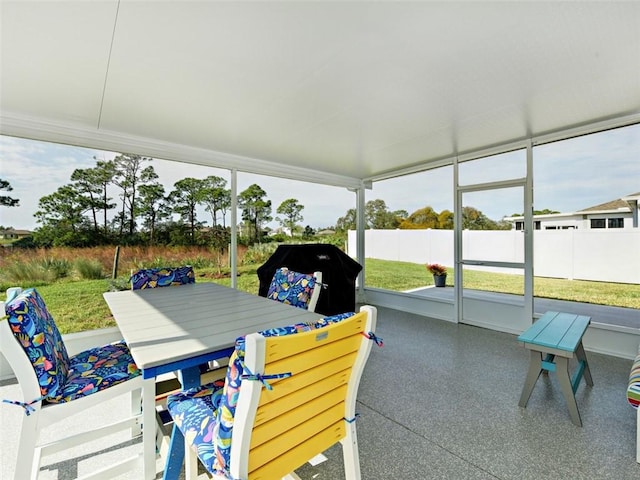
(125, 143)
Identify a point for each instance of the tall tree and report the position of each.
(399, 216)
(129, 175)
(224, 204)
(85, 182)
(64, 209)
(378, 216)
(153, 207)
(422, 218)
(185, 198)
(474, 219)
(291, 211)
(104, 173)
(6, 201)
(445, 220)
(348, 222)
(216, 198)
(255, 209)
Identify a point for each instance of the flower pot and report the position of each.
(440, 280)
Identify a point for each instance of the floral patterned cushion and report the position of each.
(34, 328)
(195, 413)
(96, 369)
(291, 287)
(63, 378)
(162, 277)
(207, 423)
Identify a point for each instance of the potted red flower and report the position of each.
(439, 273)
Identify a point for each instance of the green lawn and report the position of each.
(401, 276)
(78, 305)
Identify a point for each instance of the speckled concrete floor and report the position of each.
(440, 401)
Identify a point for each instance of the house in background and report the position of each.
(11, 234)
(619, 213)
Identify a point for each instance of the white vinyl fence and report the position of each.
(596, 255)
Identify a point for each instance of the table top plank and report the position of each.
(557, 330)
(538, 326)
(574, 333)
(171, 324)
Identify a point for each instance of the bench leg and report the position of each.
(567, 389)
(582, 356)
(532, 377)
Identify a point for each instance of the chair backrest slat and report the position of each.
(332, 376)
(265, 430)
(281, 348)
(303, 441)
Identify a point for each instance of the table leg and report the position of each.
(532, 377)
(149, 428)
(190, 378)
(567, 389)
(582, 357)
(175, 455)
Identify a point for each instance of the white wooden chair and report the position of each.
(289, 395)
(300, 290)
(53, 388)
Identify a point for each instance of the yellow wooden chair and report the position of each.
(296, 398)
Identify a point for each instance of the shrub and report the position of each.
(279, 237)
(259, 253)
(118, 284)
(59, 267)
(337, 240)
(199, 261)
(28, 274)
(89, 269)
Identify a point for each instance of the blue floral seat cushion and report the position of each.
(162, 277)
(205, 414)
(96, 369)
(63, 378)
(292, 288)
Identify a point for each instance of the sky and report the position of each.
(35, 169)
(569, 175)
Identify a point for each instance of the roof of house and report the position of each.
(15, 232)
(617, 205)
(612, 205)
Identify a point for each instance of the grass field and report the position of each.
(401, 276)
(77, 304)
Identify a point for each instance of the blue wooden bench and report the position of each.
(554, 339)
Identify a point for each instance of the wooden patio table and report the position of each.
(559, 336)
(179, 328)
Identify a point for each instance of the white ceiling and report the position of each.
(350, 89)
